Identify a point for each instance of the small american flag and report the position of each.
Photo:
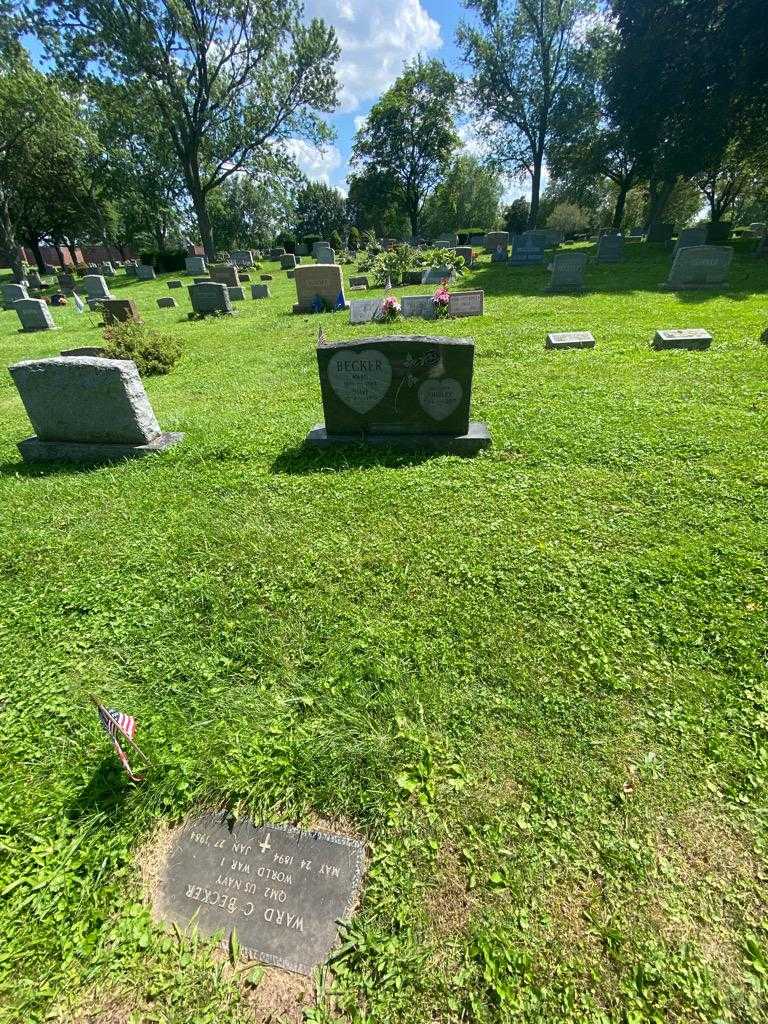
(116, 723)
(321, 337)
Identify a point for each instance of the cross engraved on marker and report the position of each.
(265, 845)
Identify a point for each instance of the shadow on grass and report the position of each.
(305, 459)
(105, 793)
(30, 470)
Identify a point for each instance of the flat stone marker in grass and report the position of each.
(34, 315)
(436, 275)
(364, 311)
(406, 391)
(85, 409)
(568, 272)
(694, 338)
(469, 303)
(117, 311)
(417, 306)
(209, 298)
(699, 267)
(195, 265)
(174, 284)
(12, 293)
(265, 277)
(320, 281)
(260, 291)
(570, 339)
(236, 294)
(281, 889)
(358, 281)
(166, 302)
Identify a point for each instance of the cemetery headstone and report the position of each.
(570, 339)
(660, 233)
(412, 276)
(637, 234)
(237, 294)
(317, 246)
(762, 249)
(282, 890)
(260, 291)
(319, 282)
(302, 249)
(417, 306)
(277, 252)
(12, 293)
(95, 287)
(692, 338)
(67, 282)
(265, 277)
(288, 261)
(568, 272)
(86, 409)
(436, 275)
(466, 252)
(175, 284)
(107, 270)
(209, 298)
(242, 258)
(363, 311)
(403, 390)
(34, 315)
(195, 265)
(500, 256)
(130, 269)
(470, 303)
(700, 266)
(118, 311)
(34, 280)
(610, 248)
(326, 256)
(527, 249)
(689, 237)
(245, 278)
(223, 273)
(494, 239)
(358, 281)
(477, 240)
(166, 302)
(145, 273)
(758, 227)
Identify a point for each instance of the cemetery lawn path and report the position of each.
(535, 681)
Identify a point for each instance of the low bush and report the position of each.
(718, 231)
(153, 352)
(165, 261)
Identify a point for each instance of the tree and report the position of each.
(568, 218)
(735, 175)
(468, 196)
(228, 79)
(516, 215)
(374, 203)
(522, 59)
(320, 210)
(409, 135)
(251, 207)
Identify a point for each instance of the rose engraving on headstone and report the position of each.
(282, 889)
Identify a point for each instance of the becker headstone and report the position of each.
(568, 272)
(209, 298)
(700, 266)
(318, 282)
(12, 293)
(34, 315)
(283, 890)
(610, 248)
(403, 390)
(86, 409)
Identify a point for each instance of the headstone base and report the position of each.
(35, 450)
(303, 309)
(570, 339)
(688, 338)
(32, 330)
(476, 438)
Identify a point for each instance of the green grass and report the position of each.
(536, 680)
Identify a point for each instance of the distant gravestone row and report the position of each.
(460, 304)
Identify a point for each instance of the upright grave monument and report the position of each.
(243, 258)
(209, 298)
(403, 390)
(610, 248)
(96, 289)
(86, 409)
(118, 311)
(494, 239)
(145, 273)
(223, 273)
(12, 293)
(319, 287)
(34, 315)
(288, 261)
(528, 249)
(700, 266)
(568, 272)
(689, 237)
(195, 265)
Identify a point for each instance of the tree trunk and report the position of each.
(34, 245)
(72, 252)
(200, 207)
(533, 213)
(658, 198)
(621, 202)
(59, 253)
(8, 245)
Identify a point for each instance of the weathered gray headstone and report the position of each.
(12, 293)
(358, 281)
(436, 275)
(363, 311)
(288, 261)
(282, 890)
(34, 315)
(237, 294)
(570, 339)
(326, 256)
(95, 287)
(107, 270)
(277, 252)
(166, 302)
(418, 306)
(463, 304)
(527, 248)
(568, 272)
(318, 246)
(67, 282)
(119, 311)
(242, 258)
(209, 297)
(318, 281)
(145, 273)
(195, 265)
(86, 410)
(467, 254)
(610, 248)
(223, 273)
(700, 266)
(34, 280)
(403, 390)
(260, 291)
(494, 239)
(689, 237)
(694, 338)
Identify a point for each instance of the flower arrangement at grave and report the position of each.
(390, 309)
(441, 299)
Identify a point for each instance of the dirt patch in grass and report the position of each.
(279, 996)
(114, 1009)
(450, 903)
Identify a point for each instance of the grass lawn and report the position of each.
(534, 681)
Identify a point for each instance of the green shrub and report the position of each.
(287, 240)
(153, 352)
(165, 261)
(336, 242)
(718, 231)
(354, 238)
(311, 239)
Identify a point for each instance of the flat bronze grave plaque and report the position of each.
(282, 889)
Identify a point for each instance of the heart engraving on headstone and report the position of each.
(360, 379)
(439, 398)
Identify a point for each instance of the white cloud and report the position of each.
(376, 40)
(360, 121)
(318, 164)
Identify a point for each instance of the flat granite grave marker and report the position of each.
(700, 266)
(568, 272)
(86, 409)
(117, 311)
(260, 291)
(466, 303)
(358, 281)
(323, 282)
(166, 302)
(236, 294)
(12, 293)
(363, 311)
(570, 339)
(436, 275)
(420, 306)
(175, 284)
(692, 338)
(282, 889)
(209, 298)
(34, 315)
(407, 391)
